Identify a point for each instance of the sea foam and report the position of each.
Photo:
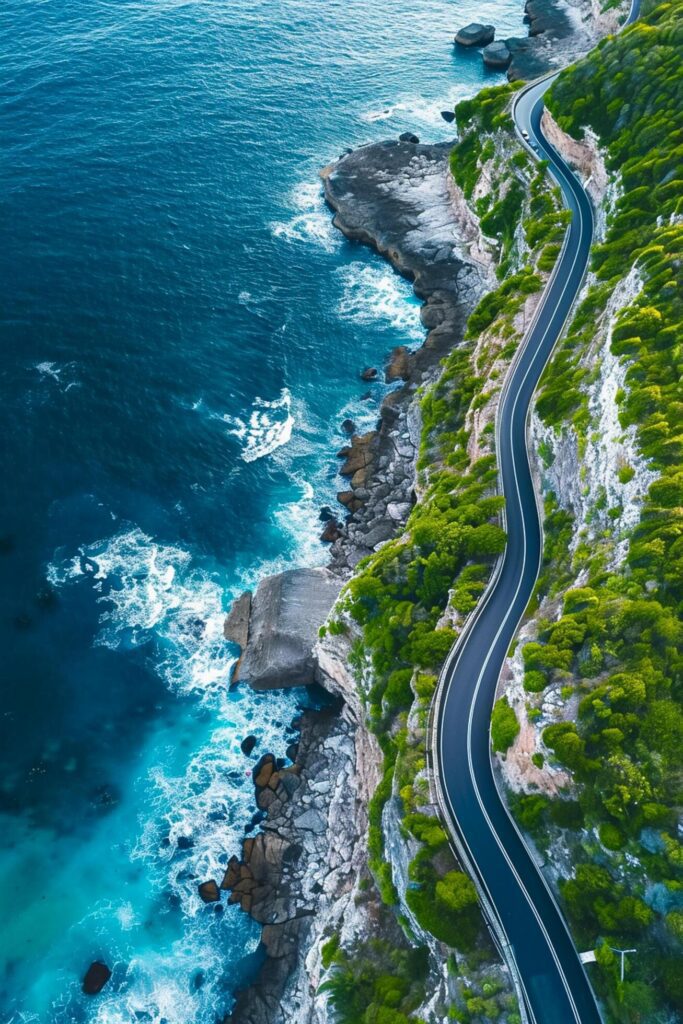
(311, 222)
(267, 427)
(375, 295)
(195, 806)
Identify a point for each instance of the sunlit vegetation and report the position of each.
(619, 637)
(442, 561)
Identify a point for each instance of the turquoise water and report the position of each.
(182, 333)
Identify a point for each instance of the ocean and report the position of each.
(182, 335)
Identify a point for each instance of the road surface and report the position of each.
(519, 905)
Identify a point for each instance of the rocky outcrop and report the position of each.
(285, 614)
(299, 877)
(475, 34)
(398, 198)
(496, 55)
(560, 31)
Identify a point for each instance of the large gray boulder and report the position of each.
(475, 34)
(496, 55)
(285, 614)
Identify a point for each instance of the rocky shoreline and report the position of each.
(304, 876)
(305, 873)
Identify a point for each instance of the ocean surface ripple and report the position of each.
(182, 334)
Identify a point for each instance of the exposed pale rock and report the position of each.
(286, 613)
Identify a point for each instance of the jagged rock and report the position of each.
(382, 531)
(326, 514)
(359, 455)
(399, 365)
(263, 771)
(369, 373)
(286, 612)
(232, 873)
(398, 511)
(209, 891)
(496, 55)
(331, 532)
(409, 137)
(96, 977)
(348, 426)
(349, 499)
(248, 744)
(475, 34)
(236, 625)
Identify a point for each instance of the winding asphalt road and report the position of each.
(519, 906)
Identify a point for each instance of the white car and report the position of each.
(525, 134)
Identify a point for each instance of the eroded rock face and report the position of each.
(298, 876)
(285, 613)
(475, 34)
(397, 198)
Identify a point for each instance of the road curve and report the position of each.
(522, 912)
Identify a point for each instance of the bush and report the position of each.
(504, 725)
(611, 836)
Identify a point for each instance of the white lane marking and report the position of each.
(447, 668)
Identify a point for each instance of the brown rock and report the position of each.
(96, 977)
(264, 770)
(331, 532)
(209, 891)
(232, 873)
(399, 365)
(369, 373)
(360, 455)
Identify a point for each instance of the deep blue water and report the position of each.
(182, 331)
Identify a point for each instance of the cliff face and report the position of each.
(305, 877)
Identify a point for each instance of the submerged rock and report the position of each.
(475, 34)
(348, 426)
(96, 977)
(286, 612)
(496, 55)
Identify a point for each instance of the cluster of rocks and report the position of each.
(395, 197)
(299, 875)
(545, 47)
(309, 852)
(494, 54)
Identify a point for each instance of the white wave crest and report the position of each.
(312, 222)
(377, 295)
(149, 591)
(268, 427)
(198, 793)
(416, 112)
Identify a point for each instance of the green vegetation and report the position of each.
(375, 983)
(406, 602)
(504, 725)
(619, 637)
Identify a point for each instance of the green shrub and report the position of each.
(504, 725)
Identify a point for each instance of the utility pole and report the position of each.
(622, 953)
